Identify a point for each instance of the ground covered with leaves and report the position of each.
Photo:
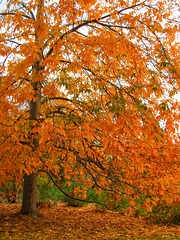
(64, 222)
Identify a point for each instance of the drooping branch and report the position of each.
(74, 198)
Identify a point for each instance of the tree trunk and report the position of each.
(30, 181)
(29, 195)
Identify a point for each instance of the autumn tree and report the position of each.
(88, 87)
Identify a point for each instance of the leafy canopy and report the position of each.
(104, 75)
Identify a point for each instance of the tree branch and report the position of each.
(11, 13)
(85, 23)
(77, 199)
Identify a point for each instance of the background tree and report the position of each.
(88, 87)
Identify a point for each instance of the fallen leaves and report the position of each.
(63, 222)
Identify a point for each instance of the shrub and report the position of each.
(163, 214)
(47, 192)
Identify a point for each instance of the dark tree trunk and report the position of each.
(30, 181)
(29, 195)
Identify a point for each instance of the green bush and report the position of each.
(122, 204)
(163, 214)
(48, 192)
(140, 212)
(91, 195)
(72, 202)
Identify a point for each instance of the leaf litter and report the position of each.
(64, 222)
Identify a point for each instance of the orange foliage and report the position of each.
(106, 75)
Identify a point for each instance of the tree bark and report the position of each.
(29, 195)
(30, 181)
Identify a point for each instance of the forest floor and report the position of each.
(64, 222)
